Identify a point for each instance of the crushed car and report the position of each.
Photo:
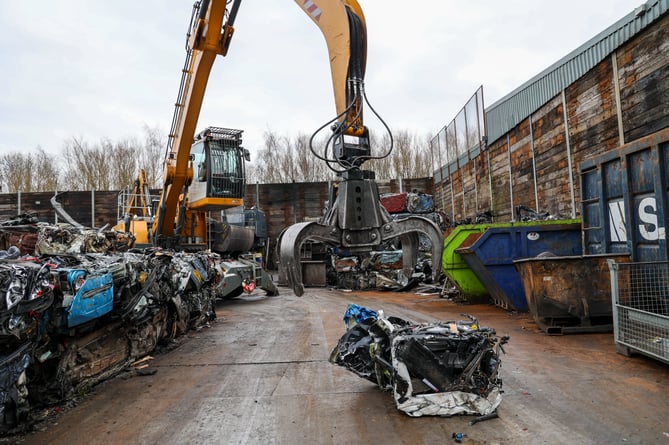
(433, 369)
(379, 269)
(82, 306)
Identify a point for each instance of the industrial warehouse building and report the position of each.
(539, 146)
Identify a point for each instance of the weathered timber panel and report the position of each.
(592, 126)
(283, 204)
(551, 159)
(470, 196)
(458, 202)
(440, 197)
(522, 165)
(78, 204)
(8, 205)
(593, 121)
(643, 68)
(482, 179)
(499, 175)
(425, 185)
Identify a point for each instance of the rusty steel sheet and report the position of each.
(23, 238)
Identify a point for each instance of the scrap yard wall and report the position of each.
(535, 163)
(283, 204)
(90, 208)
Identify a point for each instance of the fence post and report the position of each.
(55, 214)
(613, 269)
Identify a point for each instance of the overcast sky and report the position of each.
(103, 69)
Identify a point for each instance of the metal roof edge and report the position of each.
(510, 110)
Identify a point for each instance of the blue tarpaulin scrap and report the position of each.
(358, 314)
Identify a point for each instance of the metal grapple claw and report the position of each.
(357, 222)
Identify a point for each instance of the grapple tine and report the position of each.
(407, 229)
(409, 253)
(291, 242)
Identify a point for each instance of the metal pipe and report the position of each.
(93, 208)
(55, 214)
(569, 162)
(534, 166)
(616, 91)
(508, 152)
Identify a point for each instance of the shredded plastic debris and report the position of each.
(443, 369)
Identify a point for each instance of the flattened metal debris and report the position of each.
(444, 368)
(81, 307)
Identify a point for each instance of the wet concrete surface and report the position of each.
(260, 375)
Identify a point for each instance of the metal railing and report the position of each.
(131, 203)
(640, 302)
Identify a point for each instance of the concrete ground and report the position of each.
(260, 375)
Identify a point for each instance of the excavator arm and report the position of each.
(356, 221)
(211, 32)
(343, 25)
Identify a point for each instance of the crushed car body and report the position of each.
(81, 306)
(435, 369)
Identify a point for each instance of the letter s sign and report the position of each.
(650, 229)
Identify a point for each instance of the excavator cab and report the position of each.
(218, 169)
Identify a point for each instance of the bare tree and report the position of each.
(152, 155)
(423, 166)
(46, 172)
(29, 172)
(410, 157)
(16, 171)
(263, 165)
(288, 160)
(403, 155)
(111, 165)
(125, 154)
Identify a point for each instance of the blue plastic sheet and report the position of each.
(355, 314)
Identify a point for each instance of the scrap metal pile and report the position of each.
(81, 308)
(383, 268)
(445, 368)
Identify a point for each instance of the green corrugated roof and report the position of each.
(510, 110)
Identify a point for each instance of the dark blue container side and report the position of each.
(491, 256)
(624, 200)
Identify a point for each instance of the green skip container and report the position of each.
(458, 271)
